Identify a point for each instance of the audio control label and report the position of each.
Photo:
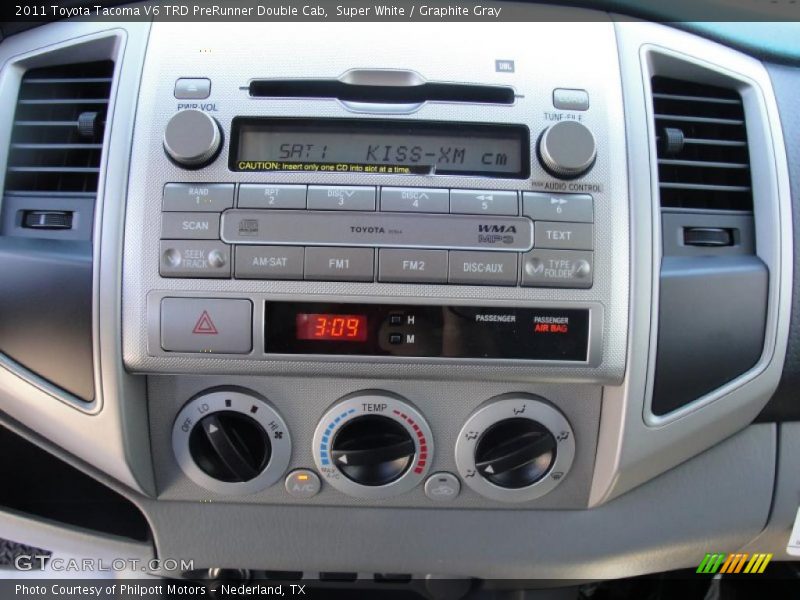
(377, 230)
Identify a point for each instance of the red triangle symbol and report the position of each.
(205, 325)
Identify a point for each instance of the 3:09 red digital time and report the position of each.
(332, 327)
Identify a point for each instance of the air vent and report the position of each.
(703, 160)
(56, 142)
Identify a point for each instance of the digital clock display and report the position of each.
(379, 147)
(332, 327)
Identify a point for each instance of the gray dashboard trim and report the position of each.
(668, 523)
(633, 446)
(111, 432)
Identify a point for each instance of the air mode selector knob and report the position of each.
(515, 448)
(567, 149)
(192, 138)
(515, 453)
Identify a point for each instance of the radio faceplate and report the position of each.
(281, 256)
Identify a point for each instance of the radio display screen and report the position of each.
(379, 147)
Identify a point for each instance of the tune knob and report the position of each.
(373, 444)
(567, 149)
(192, 138)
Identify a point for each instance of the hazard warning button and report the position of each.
(209, 325)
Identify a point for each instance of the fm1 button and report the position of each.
(442, 487)
(302, 483)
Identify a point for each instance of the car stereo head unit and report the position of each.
(309, 212)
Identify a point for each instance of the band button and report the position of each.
(415, 266)
(339, 264)
(198, 197)
(483, 268)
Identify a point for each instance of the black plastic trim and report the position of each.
(46, 310)
(711, 325)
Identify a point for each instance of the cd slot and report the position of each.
(381, 94)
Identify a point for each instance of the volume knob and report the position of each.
(567, 149)
(192, 138)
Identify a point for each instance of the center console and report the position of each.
(401, 229)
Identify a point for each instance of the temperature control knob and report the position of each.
(192, 138)
(231, 441)
(373, 450)
(373, 444)
(515, 448)
(567, 149)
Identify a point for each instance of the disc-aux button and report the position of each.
(483, 268)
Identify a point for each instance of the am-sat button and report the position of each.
(210, 325)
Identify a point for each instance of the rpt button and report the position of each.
(202, 197)
(483, 268)
(206, 325)
(256, 195)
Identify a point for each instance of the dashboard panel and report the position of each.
(536, 288)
